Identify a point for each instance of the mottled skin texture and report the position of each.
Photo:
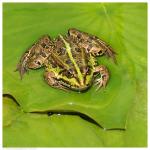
(69, 61)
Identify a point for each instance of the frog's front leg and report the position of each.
(52, 80)
(102, 81)
(35, 56)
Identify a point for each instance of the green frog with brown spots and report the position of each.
(70, 61)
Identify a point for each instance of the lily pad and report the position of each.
(26, 126)
(122, 25)
(20, 129)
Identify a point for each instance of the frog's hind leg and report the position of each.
(50, 78)
(106, 50)
(102, 81)
(35, 56)
(97, 47)
(92, 44)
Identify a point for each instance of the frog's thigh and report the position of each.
(102, 81)
(50, 78)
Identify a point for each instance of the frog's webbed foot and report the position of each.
(102, 81)
(51, 79)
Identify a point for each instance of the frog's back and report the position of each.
(72, 62)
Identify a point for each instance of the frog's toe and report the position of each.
(22, 69)
(102, 81)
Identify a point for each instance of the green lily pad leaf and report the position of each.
(115, 23)
(10, 111)
(40, 130)
(68, 131)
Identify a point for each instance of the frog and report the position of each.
(70, 61)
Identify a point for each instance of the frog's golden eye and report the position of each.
(69, 74)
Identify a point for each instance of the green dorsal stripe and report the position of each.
(68, 49)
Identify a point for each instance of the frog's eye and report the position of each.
(69, 74)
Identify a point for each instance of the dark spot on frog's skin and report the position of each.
(46, 47)
(81, 41)
(88, 70)
(68, 61)
(43, 45)
(47, 39)
(58, 51)
(89, 39)
(89, 47)
(68, 73)
(77, 49)
(100, 53)
(79, 35)
(73, 54)
(71, 70)
(52, 63)
(61, 51)
(37, 62)
(43, 54)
